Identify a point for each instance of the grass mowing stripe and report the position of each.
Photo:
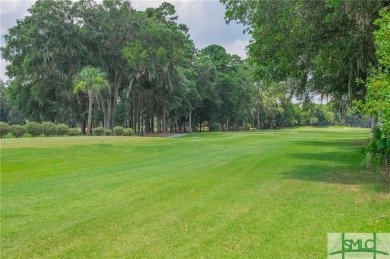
(245, 194)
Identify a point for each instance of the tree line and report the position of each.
(338, 48)
(158, 81)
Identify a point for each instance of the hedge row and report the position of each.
(50, 129)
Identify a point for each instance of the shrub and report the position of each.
(74, 132)
(49, 129)
(4, 129)
(377, 152)
(118, 130)
(62, 129)
(128, 132)
(18, 130)
(99, 131)
(108, 132)
(34, 128)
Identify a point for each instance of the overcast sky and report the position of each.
(205, 19)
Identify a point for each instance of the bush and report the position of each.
(118, 130)
(49, 129)
(34, 128)
(18, 130)
(128, 132)
(74, 132)
(4, 129)
(99, 131)
(62, 129)
(108, 132)
(377, 152)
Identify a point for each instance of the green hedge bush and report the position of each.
(4, 129)
(18, 130)
(49, 129)
(99, 131)
(74, 132)
(128, 132)
(62, 129)
(108, 132)
(118, 130)
(34, 128)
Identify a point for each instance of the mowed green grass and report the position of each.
(268, 194)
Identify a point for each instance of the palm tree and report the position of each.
(92, 81)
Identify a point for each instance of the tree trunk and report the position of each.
(113, 102)
(152, 124)
(90, 97)
(374, 121)
(227, 124)
(102, 107)
(258, 115)
(190, 126)
(158, 123)
(83, 127)
(164, 120)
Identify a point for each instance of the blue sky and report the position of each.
(205, 19)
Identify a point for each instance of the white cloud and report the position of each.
(14, 6)
(142, 5)
(3, 63)
(238, 47)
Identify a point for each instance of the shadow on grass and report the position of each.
(373, 180)
(337, 157)
(340, 143)
(346, 169)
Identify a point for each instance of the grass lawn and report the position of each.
(269, 194)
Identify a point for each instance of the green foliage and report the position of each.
(323, 45)
(382, 37)
(15, 117)
(62, 129)
(140, 67)
(128, 132)
(50, 45)
(118, 131)
(314, 121)
(108, 132)
(7, 112)
(377, 100)
(99, 131)
(4, 129)
(49, 129)
(377, 151)
(34, 128)
(92, 81)
(18, 130)
(74, 132)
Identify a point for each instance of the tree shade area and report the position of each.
(158, 80)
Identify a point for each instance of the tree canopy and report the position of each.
(323, 45)
(158, 80)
